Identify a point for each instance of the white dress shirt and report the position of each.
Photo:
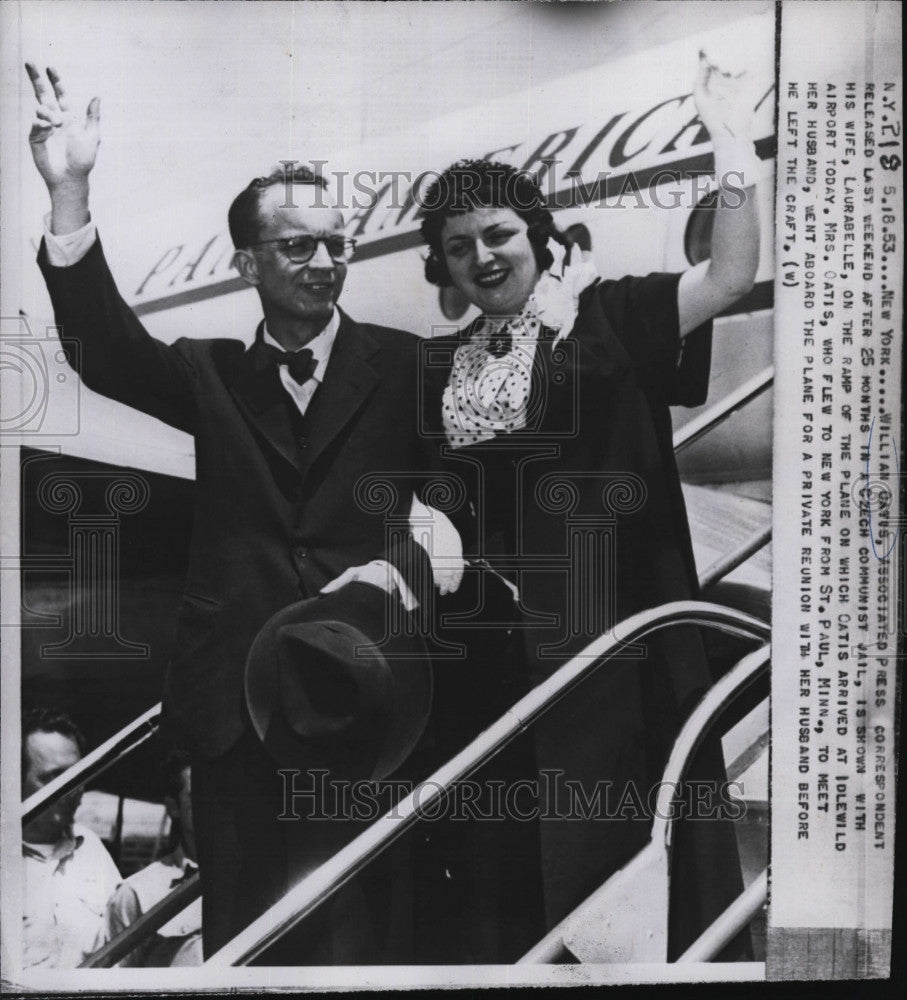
(66, 888)
(182, 934)
(70, 248)
(321, 347)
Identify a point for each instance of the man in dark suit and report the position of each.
(289, 435)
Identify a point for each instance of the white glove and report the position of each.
(433, 530)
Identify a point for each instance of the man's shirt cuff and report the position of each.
(70, 248)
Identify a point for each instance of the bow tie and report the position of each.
(301, 364)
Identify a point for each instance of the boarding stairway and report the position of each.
(639, 891)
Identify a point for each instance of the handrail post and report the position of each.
(729, 923)
(728, 563)
(718, 413)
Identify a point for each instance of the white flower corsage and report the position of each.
(555, 299)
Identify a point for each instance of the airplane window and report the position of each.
(697, 240)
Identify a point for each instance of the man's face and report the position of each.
(309, 291)
(48, 755)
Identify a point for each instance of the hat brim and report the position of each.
(356, 629)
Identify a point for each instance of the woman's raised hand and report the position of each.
(64, 145)
(725, 101)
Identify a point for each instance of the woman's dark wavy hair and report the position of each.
(469, 184)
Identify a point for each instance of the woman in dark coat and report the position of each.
(554, 405)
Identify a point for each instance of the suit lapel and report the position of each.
(350, 378)
(261, 397)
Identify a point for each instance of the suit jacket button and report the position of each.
(300, 552)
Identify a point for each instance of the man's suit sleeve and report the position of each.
(118, 358)
(403, 551)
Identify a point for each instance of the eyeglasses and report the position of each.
(301, 249)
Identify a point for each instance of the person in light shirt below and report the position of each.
(67, 874)
(179, 941)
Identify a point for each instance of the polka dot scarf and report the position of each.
(487, 393)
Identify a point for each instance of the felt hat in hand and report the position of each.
(340, 682)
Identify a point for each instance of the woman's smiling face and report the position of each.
(490, 259)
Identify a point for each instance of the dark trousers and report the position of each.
(477, 866)
(248, 858)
